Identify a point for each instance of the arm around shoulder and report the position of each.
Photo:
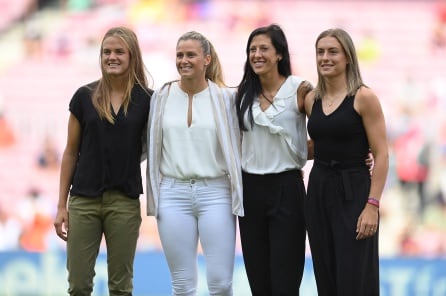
(309, 101)
(304, 88)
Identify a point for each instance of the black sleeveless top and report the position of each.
(340, 135)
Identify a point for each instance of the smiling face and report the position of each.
(263, 56)
(115, 57)
(191, 61)
(330, 57)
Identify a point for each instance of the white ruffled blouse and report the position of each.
(277, 141)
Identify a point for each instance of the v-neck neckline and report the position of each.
(116, 112)
(335, 109)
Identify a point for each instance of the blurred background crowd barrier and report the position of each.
(50, 48)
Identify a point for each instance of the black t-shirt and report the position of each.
(110, 154)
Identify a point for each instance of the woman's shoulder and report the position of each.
(225, 90)
(296, 79)
(295, 83)
(311, 95)
(143, 90)
(84, 92)
(146, 89)
(166, 86)
(366, 94)
(309, 100)
(88, 88)
(366, 99)
(229, 89)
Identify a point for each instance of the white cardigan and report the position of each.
(228, 135)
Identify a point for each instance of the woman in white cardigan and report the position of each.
(194, 185)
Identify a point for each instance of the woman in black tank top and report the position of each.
(342, 206)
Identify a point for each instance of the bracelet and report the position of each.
(373, 201)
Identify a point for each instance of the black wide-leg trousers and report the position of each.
(273, 232)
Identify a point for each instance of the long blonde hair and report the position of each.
(353, 75)
(136, 73)
(214, 70)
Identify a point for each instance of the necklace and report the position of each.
(266, 98)
(272, 94)
(335, 99)
(270, 102)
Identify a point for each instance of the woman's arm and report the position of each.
(370, 110)
(369, 107)
(304, 88)
(68, 165)
(308, 105)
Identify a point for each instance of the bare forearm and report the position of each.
(66, 177)
(379, 176)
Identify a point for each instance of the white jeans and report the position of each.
(191, 210)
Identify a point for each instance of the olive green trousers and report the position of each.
(115, 217)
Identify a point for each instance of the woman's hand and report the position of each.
(61, 224)
(367, 224)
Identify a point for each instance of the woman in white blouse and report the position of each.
(271, 114)
(194, 184)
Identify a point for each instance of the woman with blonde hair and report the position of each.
(342, 206)
(194, 178)
(101, 171)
